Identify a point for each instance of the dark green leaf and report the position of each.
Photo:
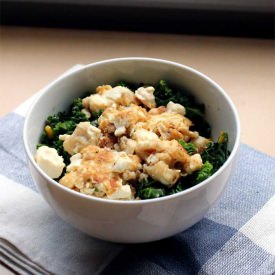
(149, 188)
(216, 152)
(63, 123)
(189, 147)
(205, 172)
(151, 193)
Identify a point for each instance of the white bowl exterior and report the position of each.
(137, 221)
(132, 223)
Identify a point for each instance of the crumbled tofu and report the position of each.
(146, 96)
(123, 163)
(63, 137)
(143, 176)
(169, 152)
(167, 125)
(162, 173)
(87, 191)
(200, 142)
(157, 111)
(164, 156)
(75, 162)
(175, 108)
(134, 140)
(107, 96)
(144, 135)
(120, 95)
(120, 131)
(96, 102)
(127, 145)
(86, 112)
(152, 159)
(194, 164)
(49, 161)
(101, 169)
(123, 193)
(83, 135)
(129, 175)
(103, 89)
(123, 116)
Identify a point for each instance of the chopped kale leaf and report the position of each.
(189, 147)
(216, 152)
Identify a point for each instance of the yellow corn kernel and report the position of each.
(49, 131)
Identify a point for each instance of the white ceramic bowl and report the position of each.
(133, 221)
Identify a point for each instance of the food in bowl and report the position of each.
(131, 142)
(139, 220)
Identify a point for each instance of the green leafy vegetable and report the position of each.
(66, 127)
(163, 94)
(213, 156)
(178, 187)
(189, 147)
(205, 172)
(76, 114)
(149, 189)
(216, 152)
(151, 193)
(95, 116)
(58, 145)
(63, 123)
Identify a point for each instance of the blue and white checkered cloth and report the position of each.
(236, 237)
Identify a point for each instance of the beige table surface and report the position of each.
(245, 68)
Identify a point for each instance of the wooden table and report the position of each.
(32, 57)
(245, 68)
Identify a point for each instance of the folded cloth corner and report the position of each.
(33, 238)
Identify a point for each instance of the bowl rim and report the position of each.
(200, 185)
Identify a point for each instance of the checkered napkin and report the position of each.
(236, 237)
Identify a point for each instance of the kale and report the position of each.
(122, 83)
(95, 116)
(58, 145)
(213, 158)
(194, 111)
(178, 187)
(149, 189)
(191, 180)
(163, 94)
(54, 119)
(66, 127)
(189, 147)
(216, 152)
(205, 172)
(152, 193)
(60, 124)
(76, 114)
(202, 126)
